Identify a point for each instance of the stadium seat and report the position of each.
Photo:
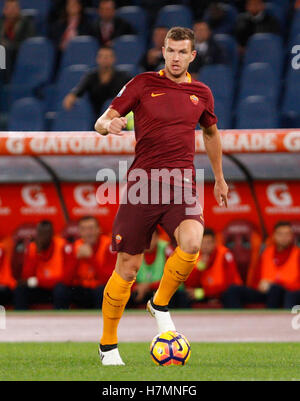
(223, 114)
(278, 12)
(137, 18)
(295, 26)
(290, 105)
(26, 115)
(256, 112)
(67, 80)
(265, 48)
(229, 45)
(219, 78)
(33, 68)
(39, 10)
(174, 15)
(80, 118)
(71, 231)
(129, 49)
(22, 236)
(259, 79)
(244, 240)
(81, 50)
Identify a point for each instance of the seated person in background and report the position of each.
(71, 23)
(276, 280)
(255, 20)
(151, 271)
(101, 84)
(14, 29)
(88, 267)
(108, 27)
(219, 19)
(7, 281)
(214, 273)
(42, 269)
(153, 58)
(208, 50)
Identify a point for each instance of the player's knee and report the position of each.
(190, 245)
(128, 266)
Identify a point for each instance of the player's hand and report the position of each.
(221, 192)
(141, 291)
(116, 125)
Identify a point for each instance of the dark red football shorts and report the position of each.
(134, 224)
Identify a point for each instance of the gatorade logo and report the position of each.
(33, 196)
(279, 195)
(85, 195)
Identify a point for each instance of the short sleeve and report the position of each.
(128, 97)
(208, 117)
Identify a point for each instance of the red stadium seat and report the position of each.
(71, 232)
(22, 236)
(244, 240)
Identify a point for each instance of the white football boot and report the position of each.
(110, 358)
(163, 318)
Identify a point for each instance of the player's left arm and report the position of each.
(213, 146)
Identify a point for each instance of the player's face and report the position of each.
(89, 231)
(283, 237)
(44, 237)
(178, 55)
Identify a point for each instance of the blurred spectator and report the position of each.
(276, 281)
(42, 270)
(150, 273)
(88, 267)
(7, 281)
(108, 26)
(208, 51)
(154, 57)
(255, 20)
(101, 84)
(14, 29)
(214, 273)
(219, 18)
(72, 22)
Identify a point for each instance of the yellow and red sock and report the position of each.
(177, 269)
(115, 297)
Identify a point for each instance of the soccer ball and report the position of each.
(170, 348)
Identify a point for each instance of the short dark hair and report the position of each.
(210, 232)
(180, 33)
(45, 224)
(282, 223)
(85, 218)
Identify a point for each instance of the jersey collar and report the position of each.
(162, 73)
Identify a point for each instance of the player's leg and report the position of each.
(115, 297)
(180, 264)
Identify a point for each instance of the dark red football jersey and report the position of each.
(165, 117)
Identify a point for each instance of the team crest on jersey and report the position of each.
(118, 238)
(121, 91)
(194, 99)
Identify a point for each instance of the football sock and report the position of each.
(177, 269)
(115, 297)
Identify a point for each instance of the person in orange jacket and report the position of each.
(276, 279)
(42, 269)
(88, 266)
(214, 273)
(7, 280)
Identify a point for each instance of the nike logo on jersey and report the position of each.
(157, 94)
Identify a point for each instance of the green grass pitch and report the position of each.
(209, 361)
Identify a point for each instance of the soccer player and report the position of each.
(167, 106)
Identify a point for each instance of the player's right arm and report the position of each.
(110, 123)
